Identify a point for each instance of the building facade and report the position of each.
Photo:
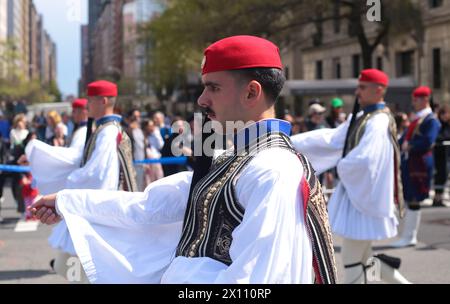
(25, 39)
(31, 53)
(84, 59)
(337, 55)
(16, 32)
(105, 39)
(48, 59)
(135, 14)
(3, 34)
(33, 43)
(114, 51)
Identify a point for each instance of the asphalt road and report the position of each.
(25, 256)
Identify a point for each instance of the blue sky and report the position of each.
(63, 20)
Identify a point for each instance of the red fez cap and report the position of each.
(241, 52)
(422, 91)
(102, 88)
(375, 76)
(79, 103)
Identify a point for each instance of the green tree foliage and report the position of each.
(54, 91)
(390, 23)
(176, 39)
(127, 86)
(13, 82)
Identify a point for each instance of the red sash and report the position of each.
(411, 128)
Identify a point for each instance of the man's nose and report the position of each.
(202, 101)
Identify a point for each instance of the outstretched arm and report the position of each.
(50, 166)
(322, 147)
(163, 202)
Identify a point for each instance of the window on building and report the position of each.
(337, 68)
(405, 63)
(434, 3)
(336, 17)
(437, 68)
(356, 64)
(351, 30)
(286, 72)
(380, 63)
(319, 69)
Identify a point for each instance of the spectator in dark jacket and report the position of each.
(441, 156)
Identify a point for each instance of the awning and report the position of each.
(340, 87)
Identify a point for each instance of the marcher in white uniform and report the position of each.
(257, 216)
(60, 239)
(95, 167)
(80, 116)
(362, 207)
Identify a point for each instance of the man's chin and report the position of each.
(219, 127)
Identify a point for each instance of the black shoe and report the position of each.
(438, 203)
(52, 264)
(394, 262)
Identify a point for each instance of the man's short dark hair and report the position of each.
(272, 80)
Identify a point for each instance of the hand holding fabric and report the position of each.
(44, 209)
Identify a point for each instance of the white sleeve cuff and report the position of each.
(57, 205)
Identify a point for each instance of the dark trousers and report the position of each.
(16, 189)
(440, 164)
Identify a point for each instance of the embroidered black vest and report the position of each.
(213, 211)
(127, 178)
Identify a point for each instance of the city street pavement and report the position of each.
(25, 256)
(429, 261)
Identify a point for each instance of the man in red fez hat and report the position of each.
(366, 154)
(105, 162)
(80, 118)
(417, 162)
(248, 220)
(102, 99)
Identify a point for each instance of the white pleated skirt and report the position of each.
(349, 222)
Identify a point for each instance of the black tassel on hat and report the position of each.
(90, 125)
(201, 164)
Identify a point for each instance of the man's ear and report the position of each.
(254, 92)
(383, 90)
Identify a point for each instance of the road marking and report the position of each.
(23, 226)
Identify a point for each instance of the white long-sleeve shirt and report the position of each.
(57, 168)
(125, 237)
(362, 205)
(79, 138)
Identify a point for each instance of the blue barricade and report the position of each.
(163, 161)
(16, 169)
